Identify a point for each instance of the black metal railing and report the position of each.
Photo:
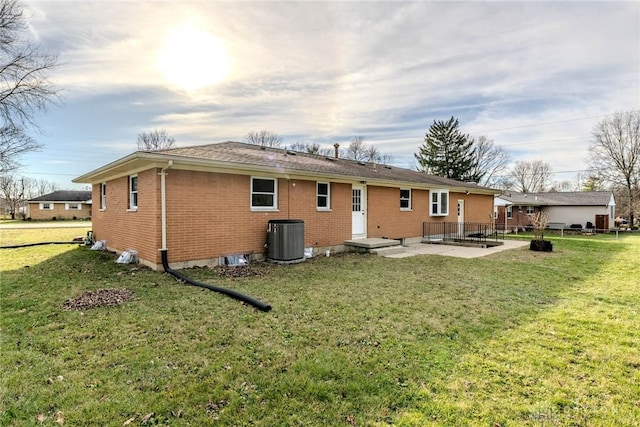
(460, 232)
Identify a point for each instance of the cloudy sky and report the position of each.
(533, 76)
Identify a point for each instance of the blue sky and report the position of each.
(533, 76)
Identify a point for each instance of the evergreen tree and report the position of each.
(447, 152)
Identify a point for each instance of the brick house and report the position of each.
(62, 204)
(590, 209)
(204, 202)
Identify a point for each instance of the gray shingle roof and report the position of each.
(253, 155)
(573, 198)
(64, 196)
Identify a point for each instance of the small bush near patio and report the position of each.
(516, 338)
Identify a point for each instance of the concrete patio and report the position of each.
(455, 251)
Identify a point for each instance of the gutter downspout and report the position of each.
(163, 203)
(165, 262)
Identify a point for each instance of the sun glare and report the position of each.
(192, 59)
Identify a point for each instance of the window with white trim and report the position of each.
(439, 202)
(72, 206)
(405, 199)
(264, 194)
(510, 211)
(323, 196)
(133, 192)
(46, 206)
(103, 196)
(530, 210)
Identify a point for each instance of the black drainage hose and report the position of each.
(40, 243)
(233, 294)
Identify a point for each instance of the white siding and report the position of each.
(576, 214)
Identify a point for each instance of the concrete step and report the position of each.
(390, 250)
(372, 243)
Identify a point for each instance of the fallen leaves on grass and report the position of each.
(147, 418)
(59, 415)
(214, 407)
(99, 298)
(129, 421)
(232, 272)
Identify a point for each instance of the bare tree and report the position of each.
(155, 140)
(623, 208)
(564, 185)
(540, 220)
(13, 143)
(615, 152)
(310, 148)
(531, 177)
(25, 88)
(40, 187)
(263, 138)
(15, 192)
(491, 161)
(359, 150)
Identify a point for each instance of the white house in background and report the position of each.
(590, 209)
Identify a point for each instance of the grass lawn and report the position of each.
(516, 338)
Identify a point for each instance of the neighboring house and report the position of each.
(205, 202)
(61, 205)
(590, 209)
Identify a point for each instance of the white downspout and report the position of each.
(506, 221)
(163, 203)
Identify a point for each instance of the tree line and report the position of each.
(16, 191)
(614, 161)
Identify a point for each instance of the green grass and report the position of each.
(516, 338)
(16, 236)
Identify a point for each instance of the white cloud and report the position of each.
(384, 70)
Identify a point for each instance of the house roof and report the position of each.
(235, 156)
(64, 196)
(573, 198)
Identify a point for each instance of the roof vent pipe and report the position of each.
(336, 147)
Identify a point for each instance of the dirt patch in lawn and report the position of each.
(99, 298)
(236, 272)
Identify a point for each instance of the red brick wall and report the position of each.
(209, 214)
(478, 208)
(520, 218)
(124, 229)
(385, 219)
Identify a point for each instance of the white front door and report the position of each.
(358, 211)
(461, 217)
